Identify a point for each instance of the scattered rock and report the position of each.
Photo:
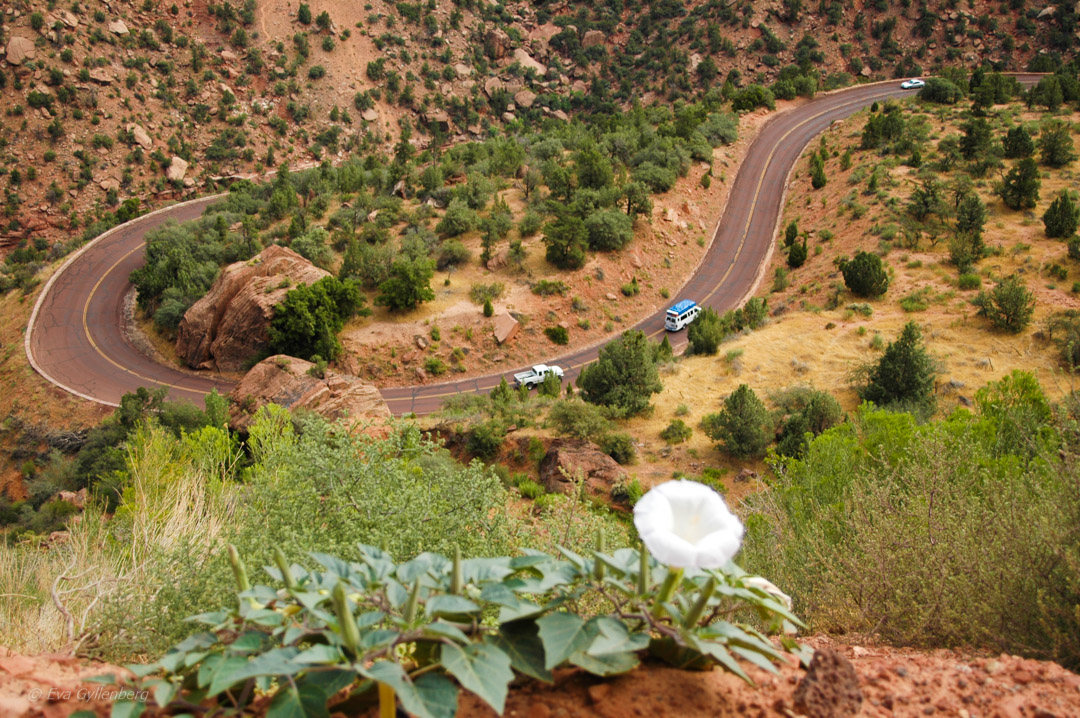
(506, 327)
(369, 115)
(142, 137)
(499, 260)
(746, 475)
(610, 297)
(570, 460)
(492, 85)
(865, 72)
(75, 498)
(526, 61)
(592, 38)
(229, 56)
(286, 381)
(19, 50)
(830, 688)
(525, 98)
(421, 343)
(498, 43)
(101, 76)
(69, 19)
(109, 183)
(117, 27)
(231, 323)
(178, 167)
(463, 71)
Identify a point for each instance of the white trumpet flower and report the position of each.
(685, 524)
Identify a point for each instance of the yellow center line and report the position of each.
(742, 241)
(106, 357)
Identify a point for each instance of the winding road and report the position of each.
(75, 336)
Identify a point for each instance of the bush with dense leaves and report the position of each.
(1009, 306)
(940, 91)
(307, 321)
(609, 229)
(706, 332)
(956, 532)
(743, 427)
(904, 375)
(409, 284)
(1020, 188)
(624, 376)
(865, 275)
(1061, 217)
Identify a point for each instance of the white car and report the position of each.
(912, 84)
(537, 374)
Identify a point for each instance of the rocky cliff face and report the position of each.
(229, 325)
(285, 381)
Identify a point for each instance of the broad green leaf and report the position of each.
(532, 559)
(83, 714)
(446, 630)
(214, 618)
(477, 570)
(328, 681)
(107, 679)
(754, 657)
(278, 662)
(424, 564)
(127, 709)
(377, 638)
(562, 635)
(430, 696)
(264, 617)
(447, 604)
(164, 691)
(482, 669)
(370, 618)
(247, 642)
(319, 653)
(298, 702)
(615, 637)
(396, 593)
(609, 664)
(678, 655)
(724, 658)
(222, 676)
(521, 641)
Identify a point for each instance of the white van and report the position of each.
(681, 314)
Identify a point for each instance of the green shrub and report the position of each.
(486, 438)
(624, 376)
(435, 366)
(547, 287)
(1061, 217)
(865, 275)
(619, 446)
(743, 427)
(452, 253)
(1009, 306)
(935, 516)
(557, 335)
(676, 432)
(904, 375)
(307, 321)
(969, 281)
(706, 332)
(530, 489)
(577, 419)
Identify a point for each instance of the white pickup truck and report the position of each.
(536, 375)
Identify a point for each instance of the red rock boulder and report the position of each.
(289, 382)
(231, 324)
(570, 460)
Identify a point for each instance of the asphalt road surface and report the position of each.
(75, 338)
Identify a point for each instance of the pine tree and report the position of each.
(904, 374)
(743, 427)
(1061, 217)
(1020, 190)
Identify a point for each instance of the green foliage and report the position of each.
(551, 385)
(557, 335)
(578, 419)
(817, 171)
(1020, 189)
(1018, 143)
(624, 375)
(796, 256)
(303, 15)
(865, 275)
(458, 219)
(547, 287)
(753, 97)
(307, 321)
(409, 284)
(376, 621)
(565, 239)
(676, 432)
(452, 253)
(929, 534)
(1061, 217)
(706, 332)
(1055, 144)
(485, 438)
(1009, 306)
(940, 91)
(805, 413)
(620, 446)
(609, 230)
(743, 427)
(904, 375)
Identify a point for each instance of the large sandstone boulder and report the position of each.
(526, 61)
(288, 382)
(231, 324)
(178, 167)
(19, 50)
(569, 460)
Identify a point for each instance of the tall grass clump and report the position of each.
(963, 531)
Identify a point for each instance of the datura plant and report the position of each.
(352, 634)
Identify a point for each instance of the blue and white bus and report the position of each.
(681, 314)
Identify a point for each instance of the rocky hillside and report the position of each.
(111, 107)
